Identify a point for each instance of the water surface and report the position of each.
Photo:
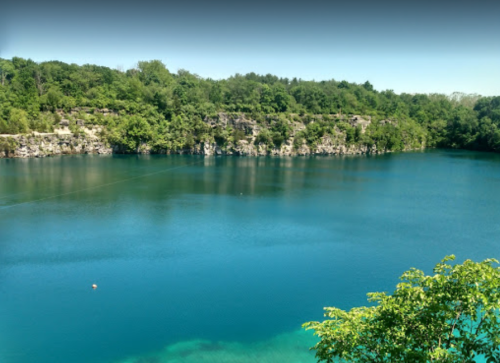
(221, 259)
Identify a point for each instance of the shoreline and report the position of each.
(47, 145)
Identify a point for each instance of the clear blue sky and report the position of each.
(405, 46)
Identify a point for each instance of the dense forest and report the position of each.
(167, 110)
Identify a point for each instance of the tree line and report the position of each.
(166, 110)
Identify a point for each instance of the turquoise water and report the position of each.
(221, 259)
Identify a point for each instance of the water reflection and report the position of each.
(156, 177)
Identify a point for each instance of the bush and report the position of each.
(238, 135)
(264, 137)
(7, 145)
(450, 316)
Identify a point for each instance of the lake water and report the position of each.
(221, 259)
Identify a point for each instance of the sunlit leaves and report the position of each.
(451, 316)
(400, 122)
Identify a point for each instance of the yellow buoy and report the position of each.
(94, 286)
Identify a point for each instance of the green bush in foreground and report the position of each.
(452, 316)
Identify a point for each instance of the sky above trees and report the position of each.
(405, 46)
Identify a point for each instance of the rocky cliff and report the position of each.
(89, 141)
(328, 145)
(42, 145)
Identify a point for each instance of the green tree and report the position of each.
(281, 98)
(136, 131)
(451, 316)
(368, 86)
(154, 72)
(215, 93)
(4, 128)
(266, 98)
(6, 71)
(18, 121)
(51, 99)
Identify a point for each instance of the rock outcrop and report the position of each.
(89, 141)
(42, 145)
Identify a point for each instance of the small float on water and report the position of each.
(94, 286)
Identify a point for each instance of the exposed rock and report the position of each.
(356, 121)
(43, 145)
(237, 121)
(88, 141)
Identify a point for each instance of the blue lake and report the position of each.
(221, 259)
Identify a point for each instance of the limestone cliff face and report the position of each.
(42, 145)
(89, 142)
(328, 145)
(245, 148)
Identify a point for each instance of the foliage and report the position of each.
(7, 145)
(264, 137)
(451, 316)
(30, 92)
